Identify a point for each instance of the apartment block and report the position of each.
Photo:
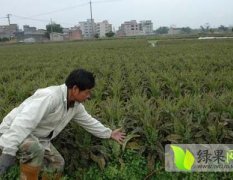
(102, 28)
(8, 31)
(88, 28)
(130, 28)
(28, 29)
(146, 27)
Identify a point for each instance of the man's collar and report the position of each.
(64, 90)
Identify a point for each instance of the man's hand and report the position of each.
(118, 135)
(6, 161)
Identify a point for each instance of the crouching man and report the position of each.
(27, 131)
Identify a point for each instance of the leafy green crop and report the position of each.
(179, 91)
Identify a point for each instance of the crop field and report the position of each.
(176, 91)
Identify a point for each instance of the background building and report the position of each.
(75, 34)
(130, 28)
(174, 31)
(8, 31)
(31, 34)
(146, 27)
(88, 28)
(71, 34)
(102, 28)
(54, 36)
(28, 29)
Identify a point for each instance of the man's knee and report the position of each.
(59, 165)
(31, 151)
(55, 163)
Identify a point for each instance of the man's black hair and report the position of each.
(81, 78)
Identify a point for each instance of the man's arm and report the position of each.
(97, 128)
(90, 124)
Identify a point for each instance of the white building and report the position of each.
(102, 28)
(54, 36)
(88, 28)
(65, 30)
(147, 27)
(174, 31)
(28, 29)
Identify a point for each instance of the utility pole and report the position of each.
(8, 17)
(92, 23)
(51, 28)
(9, 22)
(51, 25)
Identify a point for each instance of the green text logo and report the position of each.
(183, 160)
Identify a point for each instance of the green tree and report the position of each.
(212, 30)
(110, 34)
(4, 39)
(222, 28)
(162, 30)
(53, 28)
(205, 27)
(96, 36)
(186, 29)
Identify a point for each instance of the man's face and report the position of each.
(81, 96)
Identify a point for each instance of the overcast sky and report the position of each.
(179, 13)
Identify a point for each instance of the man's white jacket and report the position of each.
(43, 113)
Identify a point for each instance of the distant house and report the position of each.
(75, 34)
(27, 29)
(174, 31)
(120, 33)
(39, 35)
(88, 28)
(65, 30)
(54, 36)
(130, 28)
(31, 34)
(102, 28)
(146, 26)
(66, 34)
(8, 31)
(29, 40)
